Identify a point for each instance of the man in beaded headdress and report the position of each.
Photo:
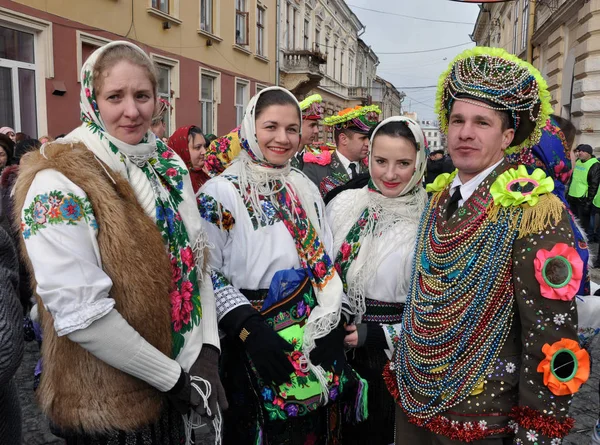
(488, 352)
(351, 133)
(312, 114)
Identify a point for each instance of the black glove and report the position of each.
(180, 395)
(329, 350)
(370, 335)
(266, 349)
(207, 367)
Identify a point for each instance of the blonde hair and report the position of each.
(116, 54)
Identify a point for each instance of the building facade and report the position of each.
(387, 97)
(433, 135)
(211, 57)
(320, 52)
(562, 39)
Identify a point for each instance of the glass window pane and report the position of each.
(16, 45)
(27, 99)
(6, 98)
(163, 80)
(207, 88)
(239, 94)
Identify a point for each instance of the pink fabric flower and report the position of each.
(175, 271)
(171, 172)
(323, 158)
(559, 272)
(345, 249)
(320, 270)
(168, 154)
(187, 256)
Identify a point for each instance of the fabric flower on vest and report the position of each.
(565, 368)
(516, 187)
(441, 182)
(559, 272)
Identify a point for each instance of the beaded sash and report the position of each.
(382, 312)
(460, 305)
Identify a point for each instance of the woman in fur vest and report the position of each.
(112, 233)
(374, 231)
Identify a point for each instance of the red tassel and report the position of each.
(390, 381)
(549, 426)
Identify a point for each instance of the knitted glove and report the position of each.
(180, 395)
(266, 349)
(206, 366)
(371, 335)
(329, 351)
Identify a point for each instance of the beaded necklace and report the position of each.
(460, 308)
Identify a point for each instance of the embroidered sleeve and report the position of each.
(60, 230)
(226, 296)
(214, 212)
(548, 272)
(392, 335)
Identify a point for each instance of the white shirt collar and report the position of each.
(469, 187)
(344, 160)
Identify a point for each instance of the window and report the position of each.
(207, 101)
(206, 15)
(317, 39)
(241, 99)
(241, 22)
(161, 5)
(525, 24)
(164, 90)
(327, 53)
(294, 14)
(516, 27)
(350, 64)
(334, 59)
(18, 81)
(306, 34)
(260, 31)
(260, 87)
(342, 66)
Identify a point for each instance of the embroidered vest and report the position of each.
(78, 391)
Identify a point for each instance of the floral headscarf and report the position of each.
(179, 143)
(163, 188)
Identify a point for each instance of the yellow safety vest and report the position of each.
(579, 184)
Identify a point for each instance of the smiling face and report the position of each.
(278, 133)
(126, 101)
(392, 164)
(476, 138)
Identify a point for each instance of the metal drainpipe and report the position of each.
(531, 30)
(277, 30)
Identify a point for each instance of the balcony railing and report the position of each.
(358, 92)
(303, 61)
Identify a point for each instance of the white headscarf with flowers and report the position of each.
(389, 224)
(128, 160)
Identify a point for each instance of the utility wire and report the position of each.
(411, 17)
(425, 50)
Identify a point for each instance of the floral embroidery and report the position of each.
(269, 216)
(214, 212)
(516, 187)
(559, 272)
(532, 436)
(221, 152)
(393, 334)
(218, 280)
(56, 208)
(566, 367)
(350, 247)
(510, 367)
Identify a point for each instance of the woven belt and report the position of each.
(382, 312)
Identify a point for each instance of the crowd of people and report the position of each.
(297, 292)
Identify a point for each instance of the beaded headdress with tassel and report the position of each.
(500, 81)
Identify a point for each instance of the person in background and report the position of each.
(109, 226)
(584, 186)
(11, 342)
(158, 126)
(351, 132)
(312, 113)
(189, 143)
(209, 138)
(374, 230)
(45, 139)
(9, 132)
(437, 164)
(222, 151)
(7, 147)
(20, 136)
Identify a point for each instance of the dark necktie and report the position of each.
(353, 170)
(453, 204)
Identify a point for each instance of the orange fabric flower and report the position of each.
(559, 272)
(558, 355)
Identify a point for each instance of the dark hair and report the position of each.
(9, 147)
(194, 131)
(396, 130)
(210, 138)
(567, 127)
(24, 147)
(21, 137)
(275, 97)
(62, 135)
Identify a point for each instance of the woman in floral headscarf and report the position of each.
(278, 294)
(111, 231)
(374, 231)
(189, 143)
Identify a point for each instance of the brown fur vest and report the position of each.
(77, 391)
